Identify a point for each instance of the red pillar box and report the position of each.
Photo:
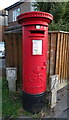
(34, 56)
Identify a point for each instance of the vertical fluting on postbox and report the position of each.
(34, 57)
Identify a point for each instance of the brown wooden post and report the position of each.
(53, 53)
(48, 57)
(60, 59)
(57, 55)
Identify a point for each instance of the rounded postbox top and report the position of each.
(35, 17)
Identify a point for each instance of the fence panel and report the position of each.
(58, 54)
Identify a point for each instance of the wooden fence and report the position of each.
(58, 54)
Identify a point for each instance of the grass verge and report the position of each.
(11, 102)
(0, 97)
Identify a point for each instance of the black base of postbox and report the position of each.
(33, 103)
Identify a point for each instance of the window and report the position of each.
(16, 12)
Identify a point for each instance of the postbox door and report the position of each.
(34, 63)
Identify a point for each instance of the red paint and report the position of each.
(34, 66)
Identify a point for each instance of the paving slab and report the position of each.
(61, 109)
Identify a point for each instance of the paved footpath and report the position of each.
(62, 109)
